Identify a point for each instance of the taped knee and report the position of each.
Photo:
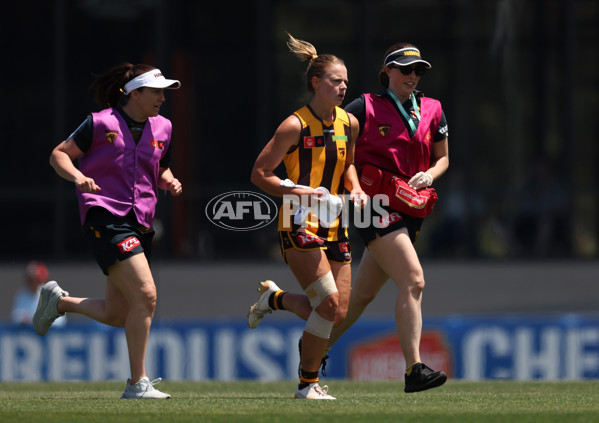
(321, 288)
(318, 325)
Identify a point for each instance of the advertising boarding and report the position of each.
(465, 347)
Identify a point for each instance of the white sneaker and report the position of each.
(261, 307)
(46, 312)
(314, 391)
(144, 389)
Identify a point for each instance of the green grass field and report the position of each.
(457, 401)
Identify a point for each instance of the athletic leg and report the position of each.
(308, 267)
(397, 257)
(133, 278)
(111, 310)
(342, 276)
(369, 280)
(299, 304)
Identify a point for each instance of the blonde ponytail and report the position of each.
(302, 49)
(317, 63)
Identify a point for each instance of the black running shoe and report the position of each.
(323, 362)
(423, 377)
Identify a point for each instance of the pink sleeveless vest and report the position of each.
(385, 141)
(127, 173)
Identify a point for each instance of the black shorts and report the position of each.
(388, 223)
(113, 238)
(336, 251)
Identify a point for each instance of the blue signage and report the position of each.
(467, 347)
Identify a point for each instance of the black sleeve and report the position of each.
(442, 129)
(83, 134)
(358, 109)
(166, 160)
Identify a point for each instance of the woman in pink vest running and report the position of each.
(403, 133)
(123, 155)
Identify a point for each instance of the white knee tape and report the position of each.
(318, 325)
(321, 288)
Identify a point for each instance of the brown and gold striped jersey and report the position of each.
(318, 160)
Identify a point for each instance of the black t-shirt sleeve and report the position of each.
(442, 129)
(358, 108)
(165, 162)
(83, 134)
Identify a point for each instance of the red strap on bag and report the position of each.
(402, 197)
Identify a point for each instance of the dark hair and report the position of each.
(109, 85)
(383, 77)
(317, 63)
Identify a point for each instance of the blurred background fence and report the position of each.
(517, 80)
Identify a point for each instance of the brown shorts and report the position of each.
(336, 251)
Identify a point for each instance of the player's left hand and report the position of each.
(174, 187)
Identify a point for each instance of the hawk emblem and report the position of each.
(384, 130)
(111, 136)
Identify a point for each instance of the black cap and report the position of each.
(404, 57)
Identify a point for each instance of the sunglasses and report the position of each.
(419, 70)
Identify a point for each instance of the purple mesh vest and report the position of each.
(127, 173)
(386, 143)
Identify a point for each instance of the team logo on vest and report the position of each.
(341, 151)
(157, 144)
(384, 130)
(128, 244)
(111, 136)
(313, 142)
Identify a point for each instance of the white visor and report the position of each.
(152, 79)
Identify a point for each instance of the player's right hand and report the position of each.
(87, 185)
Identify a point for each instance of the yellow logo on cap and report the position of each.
(411, 53)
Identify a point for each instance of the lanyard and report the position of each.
(413, 126)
